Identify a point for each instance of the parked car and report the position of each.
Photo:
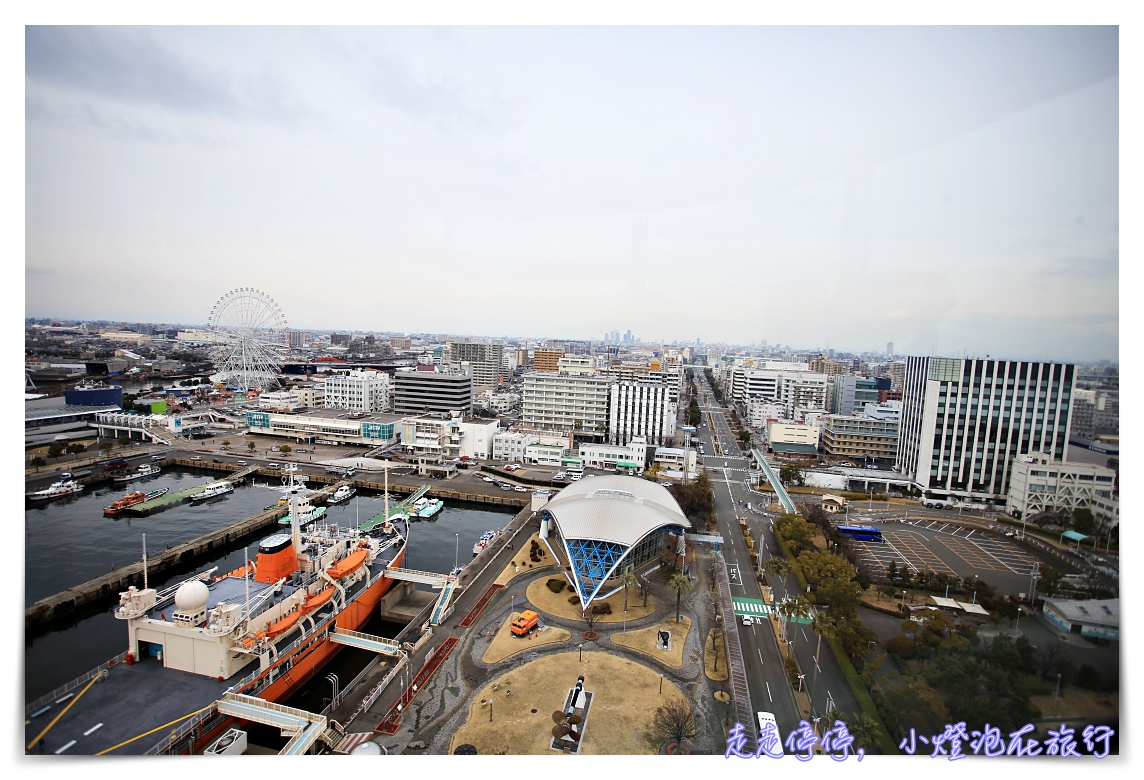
(487, 479)
(520, 489)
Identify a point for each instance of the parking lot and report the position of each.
(943, 547)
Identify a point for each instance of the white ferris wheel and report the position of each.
(251, 339)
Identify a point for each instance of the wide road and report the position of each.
(824, 682)
(766, 677)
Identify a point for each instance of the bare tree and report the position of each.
(1046, 658)
(675, 721)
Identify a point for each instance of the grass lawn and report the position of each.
(626, 695)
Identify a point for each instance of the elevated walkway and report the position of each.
(441, 611)
(306, 727)
(374, 644)
(780, 491)
(421, 577)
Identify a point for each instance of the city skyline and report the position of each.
(946, 189)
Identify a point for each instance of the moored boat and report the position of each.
(486, 539)
(213, 490)
(144, 470)
(65, 487)
(426, 507)
(263, 630)
(341, 494)
(131, 499)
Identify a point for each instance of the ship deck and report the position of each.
(147, 696)
(132, 700)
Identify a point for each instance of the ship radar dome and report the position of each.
(192, 596)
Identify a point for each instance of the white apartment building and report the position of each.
(640, 409)
(761, 413)
(888, 410)
(511, 445)
(544, 454)
(672, 458)
(799, 391)
(361, 391)
(477, 436)
(1038, 483)
(630, 457)
(576, 365)
(566, 402)
(280, 401)
(964, 422)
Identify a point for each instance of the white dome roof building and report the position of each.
(607, 525)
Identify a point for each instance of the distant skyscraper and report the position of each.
(889, 348)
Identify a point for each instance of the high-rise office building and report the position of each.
(429, 389)
(964, 422)
(363, 391)
(566, 401)
(889, 349)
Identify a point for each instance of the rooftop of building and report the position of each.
(67, 410)
(613, 508)
(342, 414)
(1101, 612)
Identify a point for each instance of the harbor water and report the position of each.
(69, 541)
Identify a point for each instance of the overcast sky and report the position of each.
(941, 188)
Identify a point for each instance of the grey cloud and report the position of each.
(130, 66)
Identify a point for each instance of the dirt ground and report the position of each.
(557, 604)
(505, 645)
(710, 648)
(643, 640)
(519, 566)
(625, 697)
(1079, 703)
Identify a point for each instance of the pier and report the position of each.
(110, 585)
(170, 499)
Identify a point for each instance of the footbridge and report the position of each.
(780, 491)
(305, 728)
(374, 644)
(447, 584)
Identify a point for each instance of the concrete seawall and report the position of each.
(110, 585)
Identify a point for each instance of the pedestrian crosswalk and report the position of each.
(751, 607)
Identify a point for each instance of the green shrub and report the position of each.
(556, 585)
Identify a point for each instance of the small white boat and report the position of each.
(486, 539)
(146, 470)
(65, 487)
(341, 494)
(427, 507)
(214, 490)
(305, 516)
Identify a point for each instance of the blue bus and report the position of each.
(861, 533)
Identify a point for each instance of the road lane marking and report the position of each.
(760, 652)
(91, 730)
(65, 747)
(769, 697)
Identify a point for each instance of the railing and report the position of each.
(369, 667)
(71, 686)
(178, 733)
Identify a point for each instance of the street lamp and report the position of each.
(581, 648)
(801, 677)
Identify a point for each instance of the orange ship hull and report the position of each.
(308, 661)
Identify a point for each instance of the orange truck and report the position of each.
(524, 623)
